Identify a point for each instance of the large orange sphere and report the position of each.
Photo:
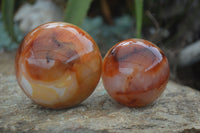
(58, 65)
(135, 72)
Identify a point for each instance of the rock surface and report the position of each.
(177, 110)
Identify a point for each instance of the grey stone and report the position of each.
(177, 110)
(42, 11)
(190, 54)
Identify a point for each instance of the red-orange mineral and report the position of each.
(135, 72)
(58, 65)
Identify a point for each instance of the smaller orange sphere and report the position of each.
(58, 65)
(135, 72)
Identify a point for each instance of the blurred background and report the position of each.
(173, 25)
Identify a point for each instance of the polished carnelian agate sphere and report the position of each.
(58, 65)
(135, 72)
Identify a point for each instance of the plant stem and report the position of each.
(139, 15)
(76, 11)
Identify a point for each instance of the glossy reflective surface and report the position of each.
(135, 72)
(58, 65)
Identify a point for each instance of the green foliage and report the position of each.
(139, 15)
(5, 39)
(108, 35)
(76, 11)
(7, 15)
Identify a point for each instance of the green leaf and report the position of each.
(7, 15)
(76, 11)
(139, 15)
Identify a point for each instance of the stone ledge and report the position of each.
(177, 110)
